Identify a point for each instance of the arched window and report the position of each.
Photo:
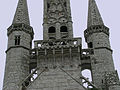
(90, 45)
(51, 30)
(63, 29)
(48, 5)
(17, 40)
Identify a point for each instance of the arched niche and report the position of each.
(63, 29)
(51, 30)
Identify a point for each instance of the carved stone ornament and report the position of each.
(112, 78)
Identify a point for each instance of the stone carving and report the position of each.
(111, 78)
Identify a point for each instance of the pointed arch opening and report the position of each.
(63, 29)
(48, 5)
(88, 75)
(51, 30)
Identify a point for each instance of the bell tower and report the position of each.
(97, 37)
(20, 36)
(57, 22)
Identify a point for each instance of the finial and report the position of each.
(21, 15)
(94, 17)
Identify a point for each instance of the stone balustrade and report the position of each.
(62, 43)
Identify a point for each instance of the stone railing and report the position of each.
(30, 78)
(59, 43)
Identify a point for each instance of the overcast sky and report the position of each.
(109, 10)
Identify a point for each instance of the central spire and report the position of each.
(94, 17)
(21, 15)
(57, 22)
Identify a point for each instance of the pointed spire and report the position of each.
(21, 15)
(94, 17)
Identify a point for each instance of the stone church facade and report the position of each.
(56, 62)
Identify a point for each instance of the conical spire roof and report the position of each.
(21, 15)
(94, 17)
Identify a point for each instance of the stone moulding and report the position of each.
(74, 42)
(111, 78)
(96, 29)
(19, 46)
(20, 27)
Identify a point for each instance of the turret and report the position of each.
(20, 35)
(97, 37)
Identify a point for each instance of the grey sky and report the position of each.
(109, 10)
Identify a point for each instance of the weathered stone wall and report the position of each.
(99, 40)
(56, 79)
(17, 60)
(103, 60)
(114, 87)
(17, 67)
(61, 69)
